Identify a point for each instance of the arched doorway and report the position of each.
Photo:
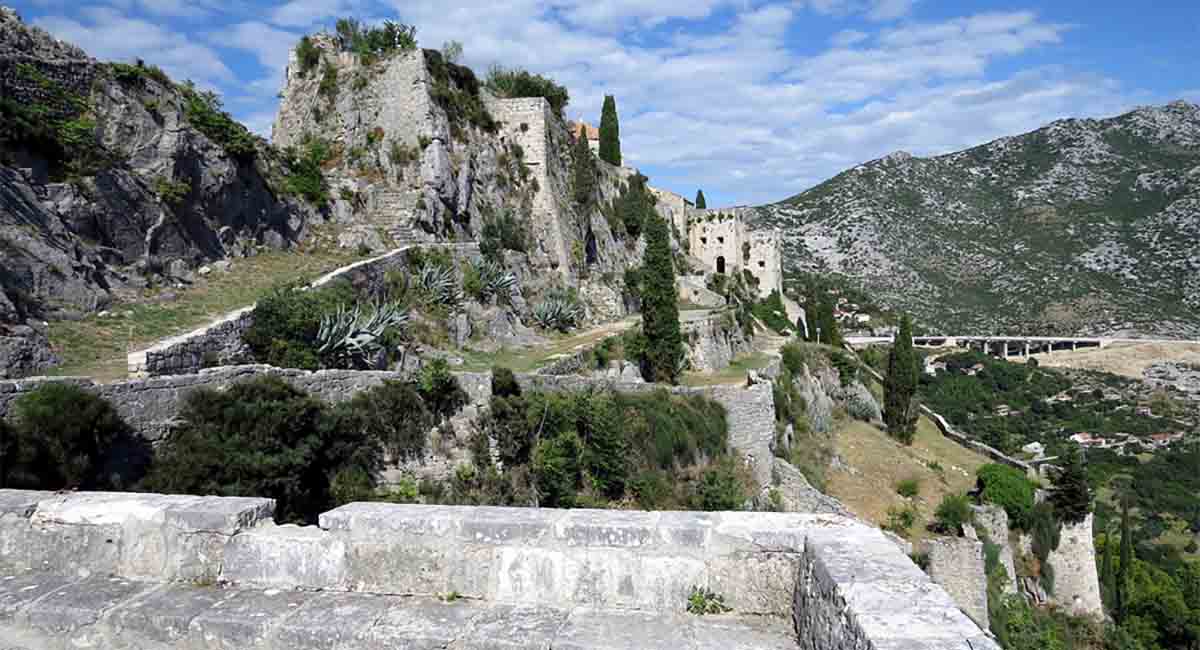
(591, 252)
(721, 265)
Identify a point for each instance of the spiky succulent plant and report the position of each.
(349, 337)
(559, 311)
(494, 279)
(439, 284)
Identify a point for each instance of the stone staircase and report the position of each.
(392, 210)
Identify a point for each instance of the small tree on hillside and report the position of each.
(610, 132)
(700, 203)
(663, 355)
(900, 385)
(584, 170)
(825, 326)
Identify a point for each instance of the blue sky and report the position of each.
(753, 101)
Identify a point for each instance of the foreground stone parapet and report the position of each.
(109, 570)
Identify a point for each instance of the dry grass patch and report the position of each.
(877, 464)
(1126, 359)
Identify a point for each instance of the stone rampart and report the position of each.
(110, 570)
(713, 341)
(956, 563)
(1076, 583)
(220, 342)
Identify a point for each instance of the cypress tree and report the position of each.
(1126, 559)
(663, 353)
(1071, 497)
(700, 204)
(584, 170)
(610, 132)
(900, 385)
(1107, 576)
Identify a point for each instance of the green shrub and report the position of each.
(513, 83)
(556, 466)
(720, 488)
(204, 111)
(504, 382)
(772, 313)
(1008, 488)
(953, 514)
(504, 232)
(794, 358)
(370, 43)
(62, 438)
(909, 487)
(171, 192)
(456, 90)
(307, 55)
(394, 413)
(263, 438)
(137, 74)
(328, 87)
(285, 323)
(439, 388)
(305, 176)
(900, 520)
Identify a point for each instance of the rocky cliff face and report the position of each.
(1084, 226)
(415, 149)
(112, 178)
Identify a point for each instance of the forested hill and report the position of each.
(1083, 226)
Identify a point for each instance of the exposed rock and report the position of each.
(362, 237)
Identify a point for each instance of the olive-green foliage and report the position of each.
(394, 413)
(909, 487)
(440, 389)
(137, 73)
(584, 171)
(773, 314)
(171, 192)
(953, 513)
(500, 233)
(1071, 496)
(307, 55)
(285, 323)
(901, 520)
(610, 132)
(662, 358)
(720, 488)
(58, 131)
(703, 600)
(822, 326)
(1008, 488)
(1045, 529)
(635, 206)
(61, 437)
(595, 447)
(900, 386)
(305, 176)
(328, 88)
(263, 438)
(204, 111)
(370, 43)
(701, 204)
(456, 90)
(515, 82)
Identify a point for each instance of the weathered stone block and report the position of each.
(332, 620)
(163, 615)
(286, 557)
(501, 627)
(244, 618)
(72, 611)
(419, 624)
(18, 591)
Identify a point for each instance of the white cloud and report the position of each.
(109, 35)
(848, 37)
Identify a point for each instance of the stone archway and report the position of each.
(721, 265)
(590, 249)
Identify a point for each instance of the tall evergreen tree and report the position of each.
(584, 170)
(663, 353)
(1071, 496)
(1126, 560)
(1108, 578)
(610, 132)
(700, 203)
(900, 385)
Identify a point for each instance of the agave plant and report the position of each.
(495, 280)
(438, 283)
(559, 311)
(351, 336)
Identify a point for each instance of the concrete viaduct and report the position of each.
(1007, 346)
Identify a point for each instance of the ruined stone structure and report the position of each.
(956, 563)
(1076, 583)
(109, 571)
(724, 243)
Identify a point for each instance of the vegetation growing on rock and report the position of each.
(512, 83)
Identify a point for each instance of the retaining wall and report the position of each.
(220, 342)
(105, 570)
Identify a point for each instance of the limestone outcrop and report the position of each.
(119, 190)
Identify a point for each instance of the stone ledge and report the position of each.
(44, 611)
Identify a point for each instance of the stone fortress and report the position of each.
(725, 244)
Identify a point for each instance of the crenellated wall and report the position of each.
(108, 571)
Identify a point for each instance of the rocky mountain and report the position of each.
(1083, 226)
(113, 178)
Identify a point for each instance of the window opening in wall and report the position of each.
(720, 240)
(704, 240)
(721, 265)
(762, 264)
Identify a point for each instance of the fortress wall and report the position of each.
(956, 563)
(553, 578)
(1076, 582)
(220, 342)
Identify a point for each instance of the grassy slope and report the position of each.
(96, 346)
(877, 463)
